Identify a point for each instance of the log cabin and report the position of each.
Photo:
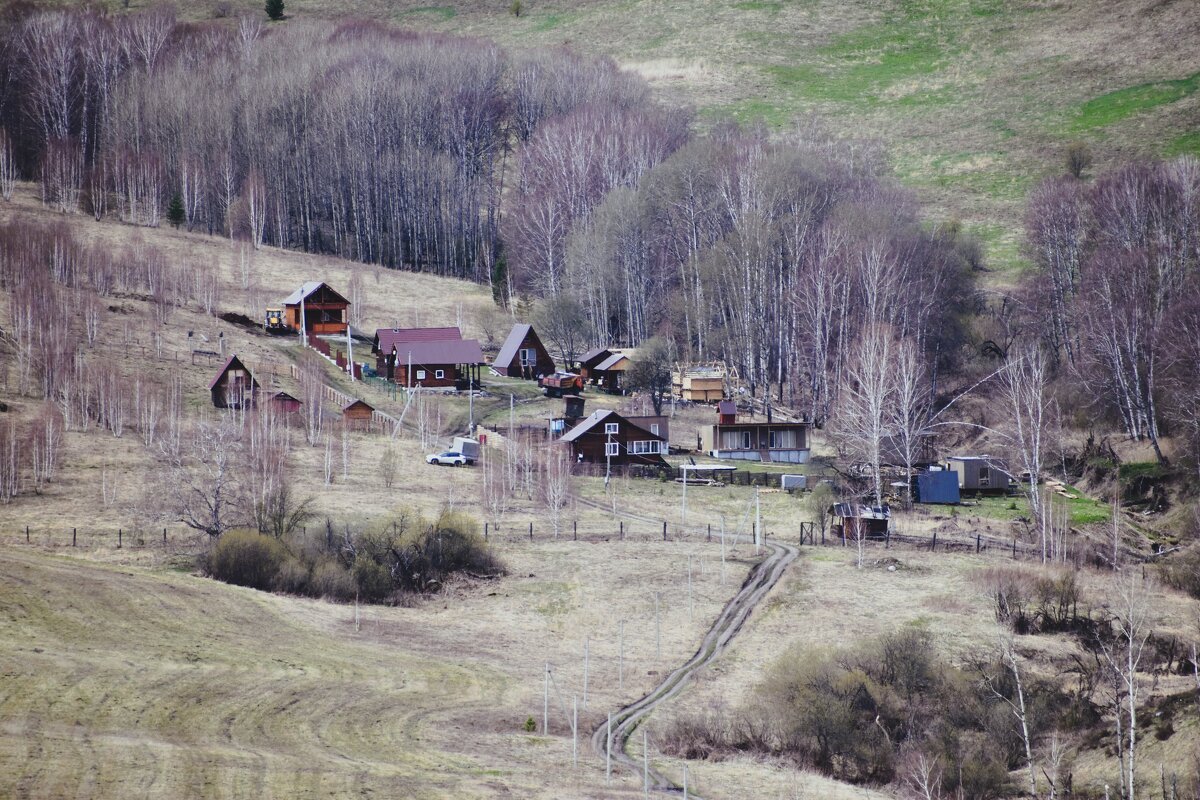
(325, 311)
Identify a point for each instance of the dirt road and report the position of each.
(758, 583)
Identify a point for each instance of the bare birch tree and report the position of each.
(1131, 620)
(1024, 389)
(556, 482)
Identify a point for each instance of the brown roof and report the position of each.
(362, 403)
(594, 356)
(387, 338)
(456, 351)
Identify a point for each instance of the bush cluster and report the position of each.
(409, 555)
(1035, 602)
(859, 714)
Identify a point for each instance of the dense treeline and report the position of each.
(542, 173)
(354, 139)
(1116, 297)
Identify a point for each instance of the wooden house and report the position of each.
(659, 425)
(357, 415)
(428, 357)
(980, 474)
(852, 519)
(324, 310)
(608, 438)
(284, 403)
(785, 442)
(591, 359)
(609, 374)
(523, 355)
(233, 386)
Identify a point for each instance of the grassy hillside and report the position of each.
(976, 100)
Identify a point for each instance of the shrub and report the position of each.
(1182, 572)
(373, 580)
(246, 558)
(293, 577)
(332, 580)
(274, 9)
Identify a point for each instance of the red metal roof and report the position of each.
(386, 338)
(452, 351)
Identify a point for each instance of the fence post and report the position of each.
(485, 531)
(119, 537)
(531, 531)
(73, 537)
(708, 538)
(575, 530)
(664, 530)
(1014, 548)
(977, 543)
(26, 534)
(933, 546)
(887, 539)
(622, 524)
(164, 535)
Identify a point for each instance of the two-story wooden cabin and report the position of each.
(606, 437)
(324, 310)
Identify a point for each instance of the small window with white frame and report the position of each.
(439, 374)
(611, 427)
(612, 448)
(420, 374)
(654, 428)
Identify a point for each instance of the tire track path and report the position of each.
(762, 578)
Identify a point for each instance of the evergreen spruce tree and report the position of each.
(275, 9)
(175, 213)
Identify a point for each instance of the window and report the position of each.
(439, 374)
(771, 440)
(528, 359)
(646, 447)
(420, 374)
(612, 448)
(654, 428)
(611, 427)
(745, 440)
(985, 477)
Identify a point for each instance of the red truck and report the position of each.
(560, 383)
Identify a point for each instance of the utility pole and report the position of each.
(575, 731)
(657, 629)
(722, 551)
(690, 606)
(586, 641)
(303, 322)
(608, 751)
(546, 701)
(645, 764)
(757, 523)
(349, 353)
(621, 657)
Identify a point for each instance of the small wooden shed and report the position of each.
(233, 386)
(284, 403)
(852, 519)
(357, 415)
